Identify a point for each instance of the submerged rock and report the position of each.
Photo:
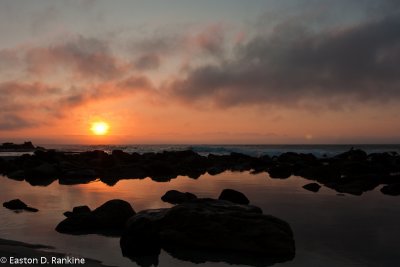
(109, 218)
(234, 196)
(17, 204)
(313, 187)
(208, 225)
(176, 197)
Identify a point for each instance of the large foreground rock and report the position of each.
(109, 218)
(208, 230)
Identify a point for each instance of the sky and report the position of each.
(201, 72)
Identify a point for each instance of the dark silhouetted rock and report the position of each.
(234, 196)
(314, 187)
(81, 209)
(26, 146)
(31, 209)
(204, 225)
(353, 154)
(355, 185)
(392, 189)
(281, 171)
(109, 218)
(17, 204)
(176, 197)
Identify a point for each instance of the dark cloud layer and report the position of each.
(85, 57)
(294, 64)
(10, 121)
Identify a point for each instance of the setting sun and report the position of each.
(100, 128)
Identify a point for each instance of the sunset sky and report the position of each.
(209, 71)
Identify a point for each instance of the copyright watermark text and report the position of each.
(67, 260)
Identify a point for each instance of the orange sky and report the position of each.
(272, 73)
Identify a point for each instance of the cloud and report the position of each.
(10, 121)
(80, 57)
(294, 64)
(211, 39)
(148, 61)
(24, 103)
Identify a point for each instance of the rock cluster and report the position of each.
(204, 230)
(108, 219)
(352, 172)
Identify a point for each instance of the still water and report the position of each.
(329, 229)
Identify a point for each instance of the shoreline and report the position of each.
(32, 254)
(354, 171)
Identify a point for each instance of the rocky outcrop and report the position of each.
(234, 196)
(176, 197)
(313, 187)
(353, 172)
(109, 219)
(17, 204)
(192, 229)
(26, 146)
(392, 190)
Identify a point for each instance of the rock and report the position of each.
(45, 170)
(234, 196)
(204, 225)
(68, 214)
(113, 214)
(81, 209)
(31, 209)
(23, 147)
(353, 154)
(355, 185)
(109, 218)
(17, 204)
(176, 197)
(392, 189)
(281, 171)
(17, 175)
(313, 187)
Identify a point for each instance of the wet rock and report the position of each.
(17, 204)
(392, 189)
(355, 185)
(292, 158)
(203, 225)
(353, 154)
(176, 197)
(109, 218)
(313, 187)
(11, 146)
(81, 209)
(44, 170)
(234, 196)
(281, 171)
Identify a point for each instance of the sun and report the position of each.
(99, 128)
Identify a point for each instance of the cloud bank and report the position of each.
(293, 64)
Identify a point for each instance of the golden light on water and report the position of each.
(100, 128)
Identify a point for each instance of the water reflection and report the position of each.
(330, 230)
